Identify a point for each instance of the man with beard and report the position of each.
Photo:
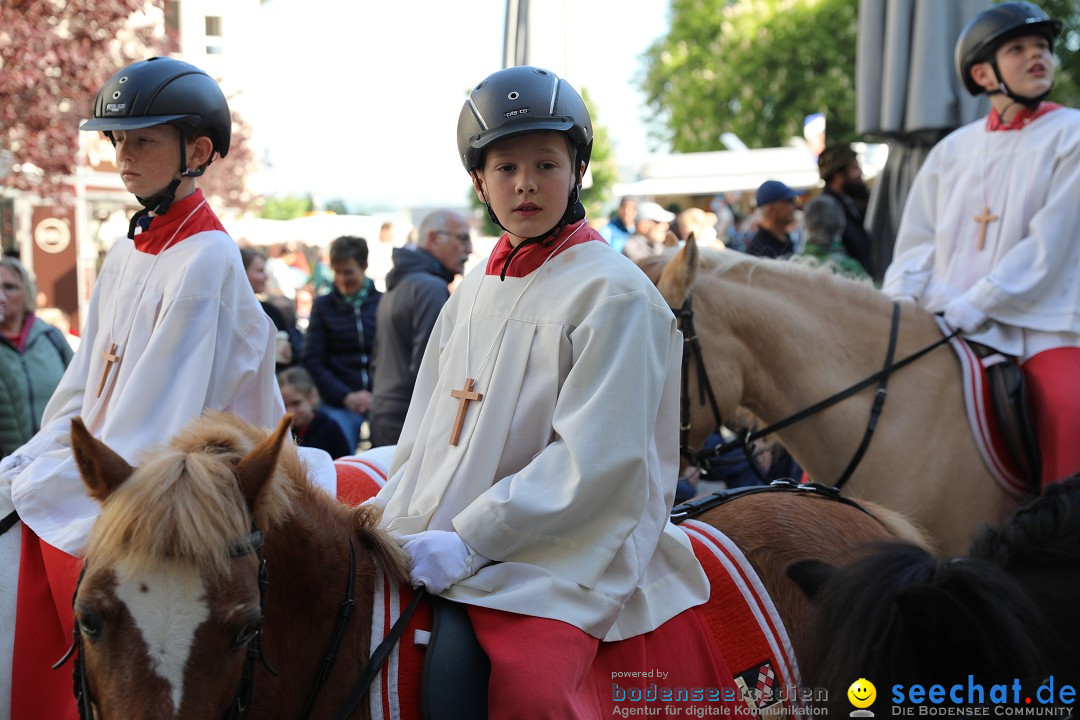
(839, 168)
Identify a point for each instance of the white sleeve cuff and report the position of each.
(963, 315)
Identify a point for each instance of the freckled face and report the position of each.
(148, 158)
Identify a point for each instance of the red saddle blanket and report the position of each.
(745, 625)
(984, 428)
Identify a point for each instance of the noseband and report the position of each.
(692, 348)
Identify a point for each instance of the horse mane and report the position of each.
(183, 504)
(714, 264)
(902, 615)
(899, 525)
(1039, 544)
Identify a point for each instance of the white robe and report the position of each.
(565, 471)
(1026, 281)
(198, 340)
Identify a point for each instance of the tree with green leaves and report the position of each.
(602, 168)
(755, 68)
(286, 207)
(1067, 78)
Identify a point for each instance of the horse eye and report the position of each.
(90, 624)
(246, 633)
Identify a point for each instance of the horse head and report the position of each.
(1039, 545)
(901, 615)
(170, 606)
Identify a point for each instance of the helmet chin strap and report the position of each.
(159, 204)
(574, 212)
(1002, 89)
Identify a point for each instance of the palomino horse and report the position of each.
(1007, 610)
(778, 337)
(170, 611)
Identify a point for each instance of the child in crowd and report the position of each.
(530, 482)
(989, 233)
(310, 426)
(173, 328)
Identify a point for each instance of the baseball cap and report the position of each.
(773, 190)
(653, 211)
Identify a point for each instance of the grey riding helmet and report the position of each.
(985, 32)
(162, 91)
(519, 100)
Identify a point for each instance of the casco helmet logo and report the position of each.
(115, 107)
(519, 111)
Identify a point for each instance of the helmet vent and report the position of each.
(122, 80)
(513, 95)
(116, 95)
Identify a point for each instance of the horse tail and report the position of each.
(383, 549)
(899, 525)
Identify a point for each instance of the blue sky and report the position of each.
(359, 99)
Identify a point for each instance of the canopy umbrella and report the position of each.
(908, 95)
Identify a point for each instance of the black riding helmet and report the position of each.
(985, 33)
(164, 91)
(519, 100)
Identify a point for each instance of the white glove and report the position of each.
(439, 558)
(963, 315)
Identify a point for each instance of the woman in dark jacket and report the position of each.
(340, 338)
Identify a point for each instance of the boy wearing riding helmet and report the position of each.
(536, 468)
(989, 233)
(173, 328)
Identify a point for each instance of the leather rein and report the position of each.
(692, 351)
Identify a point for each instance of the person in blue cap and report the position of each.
(776, 201)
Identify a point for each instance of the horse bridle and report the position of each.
(239, 707)
(692, 348)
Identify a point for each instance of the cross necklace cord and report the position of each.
(110, 356)
(466, 395)
(986, 217)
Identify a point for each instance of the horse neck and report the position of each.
(309, 566)
(790, 334)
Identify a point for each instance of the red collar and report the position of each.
(532, 256)
(1021, 119)
(163, 227)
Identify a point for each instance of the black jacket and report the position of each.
(857, 242)
(338, 345)
(416, 290)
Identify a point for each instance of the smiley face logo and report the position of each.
(862, 693)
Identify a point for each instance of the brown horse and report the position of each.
(1006, 610)
(171, 616)
(778, 337)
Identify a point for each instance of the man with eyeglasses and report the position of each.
(416, 289)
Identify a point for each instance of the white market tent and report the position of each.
(317, 230)
(682, 175)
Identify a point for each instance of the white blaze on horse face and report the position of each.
(167, 608)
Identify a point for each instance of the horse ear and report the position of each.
(258, 466)
(810, 575)
(102, 468)
(679, 275)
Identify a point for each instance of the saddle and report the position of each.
(1011, 410)
(454, 679)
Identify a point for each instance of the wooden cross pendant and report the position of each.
(464, 396)
(985, 219)
(110, 357)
